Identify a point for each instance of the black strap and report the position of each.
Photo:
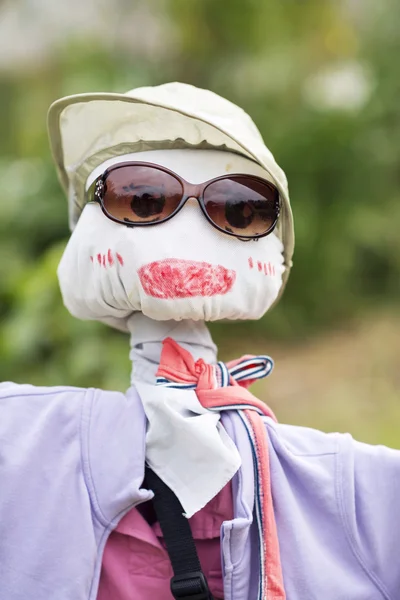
(188, 582)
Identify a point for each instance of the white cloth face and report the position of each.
(181, 269)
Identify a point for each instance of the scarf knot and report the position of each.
(178, 369)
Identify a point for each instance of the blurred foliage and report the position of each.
(320, 79)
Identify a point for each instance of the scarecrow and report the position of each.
(186, 486)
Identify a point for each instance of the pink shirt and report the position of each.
(136, 563)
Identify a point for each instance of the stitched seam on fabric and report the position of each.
(108, 528)
(256, 501)
(347, 529)
(86, 461)
(52, 393)
(238, 474)
(258, 475)
(272, 430)
(81, 445)
(240, 485)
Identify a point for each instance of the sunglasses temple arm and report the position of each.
(90, 194)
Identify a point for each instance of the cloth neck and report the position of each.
(146, 343)
(176, 420)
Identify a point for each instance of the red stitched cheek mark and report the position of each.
(174, 278)
(267, 268)
(104, 259)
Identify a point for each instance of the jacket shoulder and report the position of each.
(303, 441)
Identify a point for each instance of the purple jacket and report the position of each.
(71, 465)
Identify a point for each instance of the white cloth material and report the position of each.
(181, 433)
(108, 271)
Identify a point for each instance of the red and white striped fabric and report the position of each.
(224, 387)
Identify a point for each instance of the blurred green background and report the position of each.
(321, 80)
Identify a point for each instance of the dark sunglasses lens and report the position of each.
(242, 205)
(141, 194)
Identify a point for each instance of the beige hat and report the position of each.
(87, 129)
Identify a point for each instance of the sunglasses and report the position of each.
(136, 194)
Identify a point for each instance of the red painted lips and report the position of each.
(174, 278)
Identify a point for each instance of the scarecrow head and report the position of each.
(177, 208)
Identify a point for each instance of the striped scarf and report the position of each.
(224, 387)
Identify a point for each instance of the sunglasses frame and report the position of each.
(95, 193)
